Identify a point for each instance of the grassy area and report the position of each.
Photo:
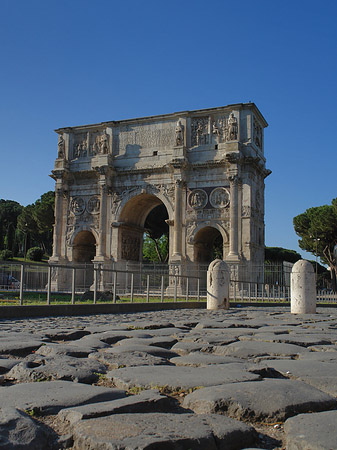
(22, 259)
(33, 298)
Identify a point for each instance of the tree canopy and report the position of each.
(9, 212)
(281, 254)
(317, 228)
(23, 227)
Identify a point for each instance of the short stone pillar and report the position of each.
(303, 288)
(218, 285)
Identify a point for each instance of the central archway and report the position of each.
(142, 214)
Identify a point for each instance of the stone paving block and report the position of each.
(19, 431)
(214, 324)
(151, 324)
(144, 402)
(156, 341)
(53, 350)
(162, 431)
(151, 349)
(129, 359)
(51, 396)
(268, 400)
(66, 334)
(303, 341)
(19, 346)
(65, 368)
(253, 349)
(322, 375)
(184, 348)
(317, 431)
(7, 363)
(175, 377)
(197, 359)
(318, 356)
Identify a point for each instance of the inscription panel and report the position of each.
(146, 136)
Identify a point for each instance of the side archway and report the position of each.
(84, 247)
(209, 243)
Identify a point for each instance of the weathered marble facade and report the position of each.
(206, 166)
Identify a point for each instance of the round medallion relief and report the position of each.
(77, 206)
(219, 198)
(198, 199)
(93, 204)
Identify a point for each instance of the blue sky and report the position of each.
(67, 63)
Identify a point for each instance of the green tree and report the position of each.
(155, 250)
(279, 254)
(35, 223)
(317, 228)
(155, 243)
(9, 212)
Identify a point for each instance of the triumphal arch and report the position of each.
(201, 171)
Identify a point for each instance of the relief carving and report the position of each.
(199, 129)
(130, 247)
(80, 147)
(219, 198)
(116, 201)
(93, 205)
(77, 206)
(198, 199)
(246, 211)
(190, 230)
(218, 128)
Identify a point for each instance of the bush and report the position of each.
(35, 254)
(5, 255)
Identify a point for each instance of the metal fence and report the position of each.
(143, 282)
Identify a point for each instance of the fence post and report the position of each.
(132, 287)
(147, 288)
(115, 287)
(187, 289)
(73, 281)
(49, 285)
(95, 284)
(198, 290)
(22, 277)
(162, 289)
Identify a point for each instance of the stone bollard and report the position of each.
(218, 285)
(303, 288)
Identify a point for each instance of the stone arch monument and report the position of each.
(205, 167)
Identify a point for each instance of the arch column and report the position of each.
(177, 234)
(58, 222)
(234, 218)
(102, 221)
